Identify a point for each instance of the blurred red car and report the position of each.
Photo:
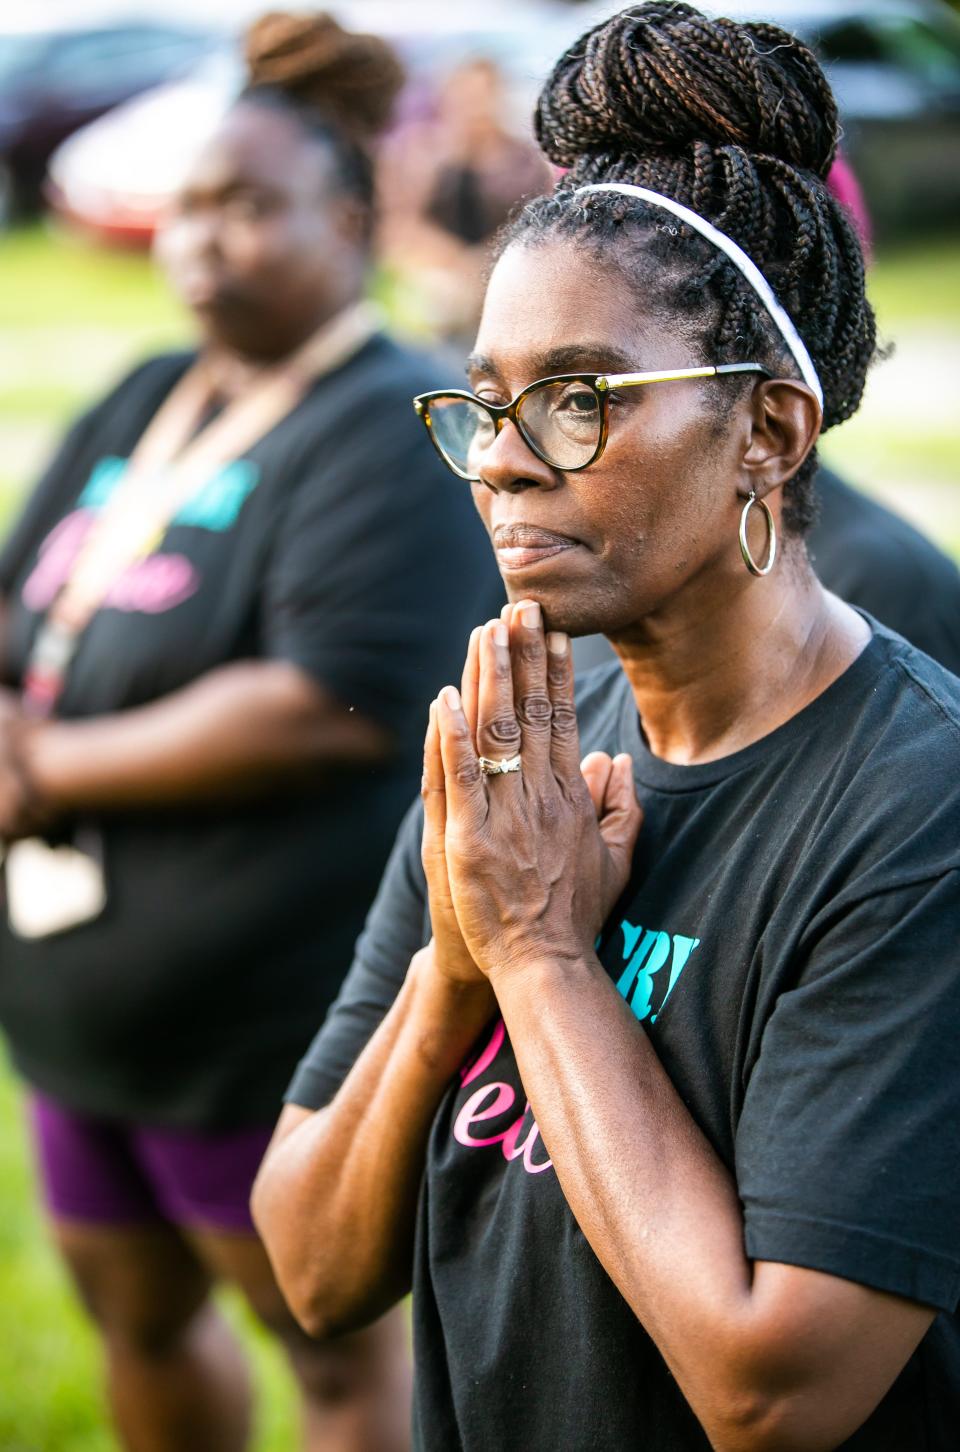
(58, 75)
(114, 177)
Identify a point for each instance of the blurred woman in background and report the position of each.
(222, 626)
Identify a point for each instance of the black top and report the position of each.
(870, 556)
(789, 942)
(339, 543)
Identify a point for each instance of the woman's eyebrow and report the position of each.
(586, 357)
(478, 363)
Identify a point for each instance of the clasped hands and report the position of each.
(526, 866)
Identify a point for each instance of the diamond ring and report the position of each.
(491, 767)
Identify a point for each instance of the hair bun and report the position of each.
(662, 76)
(351, 79)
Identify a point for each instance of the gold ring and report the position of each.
(490, 767)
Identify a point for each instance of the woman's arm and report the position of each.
(772, 1358)
(238, 730)
(336, 1196)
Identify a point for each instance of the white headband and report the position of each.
(740, 260)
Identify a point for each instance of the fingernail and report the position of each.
(530, 615)
(501, 634)
(451, 698)
(557, 642)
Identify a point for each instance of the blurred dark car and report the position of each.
(54, 78)
(895, 69)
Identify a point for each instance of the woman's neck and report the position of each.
(769, 648)
(231, 373)
(233, 369)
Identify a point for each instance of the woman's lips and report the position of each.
(518, 546)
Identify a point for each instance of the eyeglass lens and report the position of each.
(561, 419)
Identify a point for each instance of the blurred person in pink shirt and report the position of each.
(446, 186)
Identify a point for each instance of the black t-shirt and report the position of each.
(870, 556)
(340, 543)
(790, 941)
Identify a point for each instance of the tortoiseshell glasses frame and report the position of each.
(586, 433)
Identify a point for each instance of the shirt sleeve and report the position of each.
(50, 497)
(880, 563)
(848, 1147)
(108, 423)
(396, 927)
(914, 590)
(380, 569)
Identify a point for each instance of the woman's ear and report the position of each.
(785, 423)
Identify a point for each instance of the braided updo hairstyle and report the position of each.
(737, 122)
(340, 86)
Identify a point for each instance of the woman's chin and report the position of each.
(575, 602)
(571, 616)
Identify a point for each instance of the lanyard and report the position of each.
(169, 464)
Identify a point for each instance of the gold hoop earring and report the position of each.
(748, 559)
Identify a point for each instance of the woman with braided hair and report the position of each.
(644, 1077)
(222, 634)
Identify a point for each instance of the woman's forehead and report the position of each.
(555, 302)
(245, 149)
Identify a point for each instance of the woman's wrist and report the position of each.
(435, 970)
(452, 1011)
(539, 966)
(38, 753)
(27, 808)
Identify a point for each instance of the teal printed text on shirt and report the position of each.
(654, 961)
(215, 506)
(488, 1116)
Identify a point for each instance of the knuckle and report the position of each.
(503, 670)
(530, 651)
(467, 772)
(564, 719)
(550, 809)
(503, 730)
(535, 710)
(558, 670)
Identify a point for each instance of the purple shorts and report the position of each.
(106, 1172)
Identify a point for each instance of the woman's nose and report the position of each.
(510, 465)
(190, 237)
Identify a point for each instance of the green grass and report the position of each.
(71, 319)
(917, 284)
(50, 1378)
(51, 279)
(927, 455)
